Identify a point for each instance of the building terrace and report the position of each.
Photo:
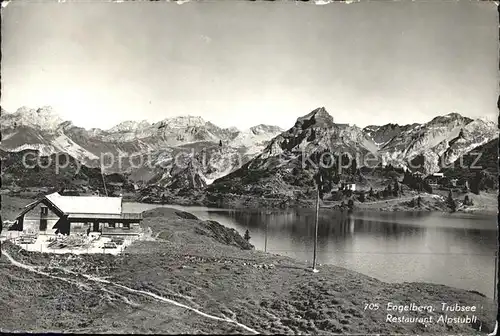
(55, 213)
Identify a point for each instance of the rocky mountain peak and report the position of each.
(48, 110)
(449, 119)
(65, 125)
(130, 126)
(453, 115)
(317, 118)
(233, 129)
(262, 128)
(43, 118)
(183, 121)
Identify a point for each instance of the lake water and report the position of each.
(451, 249)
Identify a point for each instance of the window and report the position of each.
(44, 211)
(126, 225)
(111, 225)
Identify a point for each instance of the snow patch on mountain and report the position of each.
(255, 138)
(44, 150)
(42, 118)
(181, 122)
(474, 134)
(129, 126)
(433, 136)
(66, 145)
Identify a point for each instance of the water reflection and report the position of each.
(334, 226)
(456, 251)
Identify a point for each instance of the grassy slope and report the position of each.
(31, 302)
(404, 203)
(485, 203)
(185, 263)
(12, 206)
(70, 173)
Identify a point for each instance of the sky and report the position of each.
(246, 63)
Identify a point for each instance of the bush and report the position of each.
(392, 175)
(247, 235)
(487, 181)
(337, 196)
(451, 202)
(475, 183)
(186, 215)
(396, 189)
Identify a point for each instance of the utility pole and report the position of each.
(316, 217)
(495, 293)
(265, 242)
(495, 288)
(104, 182)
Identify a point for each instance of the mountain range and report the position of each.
(122, 148)
(287, 165)
(190, 153)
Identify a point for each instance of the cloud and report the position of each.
(206, 39)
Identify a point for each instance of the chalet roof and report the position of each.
(86, 204)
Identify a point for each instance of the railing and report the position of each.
(105, 216)
(121, 231)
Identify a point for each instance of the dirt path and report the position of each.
(34, 270)
(178, 304)
(128, 289)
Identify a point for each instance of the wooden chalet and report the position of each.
(434, 179)
(55, 214)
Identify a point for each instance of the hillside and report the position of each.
(284, 172)
(187, 155)
(382, 135)
(139, 149)
(287, 165)
(55, 172)
(481, 164)
(208, 161)
(438, 142)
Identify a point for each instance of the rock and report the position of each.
(185, 215)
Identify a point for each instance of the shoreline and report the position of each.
(487, 203)
(358, 207)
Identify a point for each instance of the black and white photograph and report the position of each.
(249, 167)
